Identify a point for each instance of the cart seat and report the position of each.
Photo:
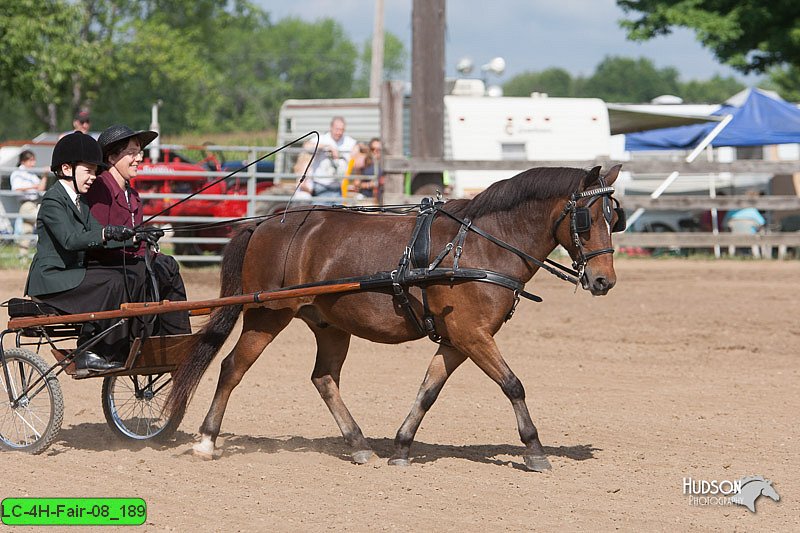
(22, 307)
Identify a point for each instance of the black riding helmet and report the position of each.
(118, 133)
(76, 148)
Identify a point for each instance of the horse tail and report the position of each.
(212, 336)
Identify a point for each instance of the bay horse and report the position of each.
(531, 214)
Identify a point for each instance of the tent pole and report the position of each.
(712, 193)
(690, 158)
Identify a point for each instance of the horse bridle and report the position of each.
(580, 221)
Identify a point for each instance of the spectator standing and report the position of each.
(81, 122)
(24, 181)
(333, 155)
(374, 170)
(375, 152)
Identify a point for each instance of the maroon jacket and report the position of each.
(108, 204)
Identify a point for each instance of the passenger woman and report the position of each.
(113, 200)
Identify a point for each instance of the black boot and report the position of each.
(91, 362)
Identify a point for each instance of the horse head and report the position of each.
(584, 229)
(769, 491)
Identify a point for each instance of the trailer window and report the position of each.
(513, 151)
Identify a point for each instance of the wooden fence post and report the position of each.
(391, 109)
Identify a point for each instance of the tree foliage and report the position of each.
(395, 59)
(619, 79)
(749, 35)
(215, 64)
(623, 80)
(553, 81)
(50, 59)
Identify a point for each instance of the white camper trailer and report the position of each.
(475, 128)
(515, 128)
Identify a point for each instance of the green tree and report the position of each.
(713, 91)
(626, 80)
(785, 81)
(751, 36)
(48, 56)
(395, 59)
(289, 59)
(553, 81)
(149, 68)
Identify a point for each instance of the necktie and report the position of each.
(78, 202)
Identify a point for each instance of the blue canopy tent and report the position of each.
(761, 119)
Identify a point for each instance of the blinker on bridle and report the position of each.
(581, 221)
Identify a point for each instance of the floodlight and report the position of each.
(464, 66)
(496, 66)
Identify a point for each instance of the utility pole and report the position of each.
(376, 68)
(427, 80)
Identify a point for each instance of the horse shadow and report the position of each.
(91, 436)
(98, 437)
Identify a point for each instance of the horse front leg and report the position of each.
(444, 363)
(332, 347)
(260, 327)
(484, 353)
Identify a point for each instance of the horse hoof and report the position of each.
(399, 461)
(362, 457)
(537, 463)
(202, 456)
(201, 452)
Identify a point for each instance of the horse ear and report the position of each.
(612, 174)
(592, 177)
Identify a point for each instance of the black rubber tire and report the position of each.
(21, 363)
(152, 424)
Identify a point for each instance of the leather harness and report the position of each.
(414, 269)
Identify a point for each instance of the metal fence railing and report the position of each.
(248, 193)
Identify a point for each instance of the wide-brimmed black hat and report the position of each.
(120, 132)
(76, 148)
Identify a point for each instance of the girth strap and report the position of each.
(421, 236)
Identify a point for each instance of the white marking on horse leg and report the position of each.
(204, 448)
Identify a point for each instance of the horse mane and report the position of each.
(541, 183)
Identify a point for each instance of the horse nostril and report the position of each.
(601, 284)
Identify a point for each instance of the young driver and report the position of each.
(60, 274)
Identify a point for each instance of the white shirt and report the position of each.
(23, 178)
(72, 194)
(344, 145)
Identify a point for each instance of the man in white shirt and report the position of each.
(331, 159)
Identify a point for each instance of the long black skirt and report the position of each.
(105, 288)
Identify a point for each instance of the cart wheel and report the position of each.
(32, 425)
(134, 405)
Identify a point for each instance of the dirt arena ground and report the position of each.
(686, 369)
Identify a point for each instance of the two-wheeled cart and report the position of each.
(133, 396)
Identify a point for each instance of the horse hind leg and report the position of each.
(260, 327)
(441, 367)
(332, 347)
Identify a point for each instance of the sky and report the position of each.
(531, 35)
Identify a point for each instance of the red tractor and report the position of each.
(160, 177)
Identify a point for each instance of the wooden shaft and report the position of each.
(157, 308)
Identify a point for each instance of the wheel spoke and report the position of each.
(32, 425)
(26, 423)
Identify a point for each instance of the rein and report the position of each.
(547, 264)
(248, 165)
